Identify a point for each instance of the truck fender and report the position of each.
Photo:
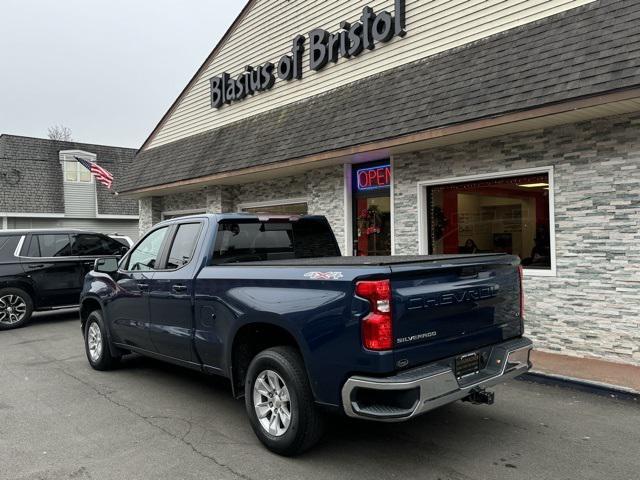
(267, 320)
(88, 304)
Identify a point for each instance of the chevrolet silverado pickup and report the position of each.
(268, 302)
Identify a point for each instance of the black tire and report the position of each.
(307, 422)
(102, 358)
(13, 298)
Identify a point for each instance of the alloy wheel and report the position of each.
(94, 341)
(13, 308)
(272, 403)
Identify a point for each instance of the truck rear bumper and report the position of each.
(418, 390)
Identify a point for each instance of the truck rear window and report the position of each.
(254, 240)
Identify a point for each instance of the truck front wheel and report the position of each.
(96, 343)
(280, 403)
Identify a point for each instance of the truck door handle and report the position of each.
(143, 286)
(35, 266)
(179, 288)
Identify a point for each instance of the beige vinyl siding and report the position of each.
(270, 26)
(80, 199)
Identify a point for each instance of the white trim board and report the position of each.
(104, 216)
(392, 197)
(31, 215)
(423, 237)
(348, 211)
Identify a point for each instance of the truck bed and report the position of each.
(373, 261)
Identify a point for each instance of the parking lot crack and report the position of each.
(149, 420)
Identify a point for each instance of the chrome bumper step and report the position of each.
(416, 391)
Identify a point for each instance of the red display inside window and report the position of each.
(508, 215)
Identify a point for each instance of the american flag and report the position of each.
(102, 175)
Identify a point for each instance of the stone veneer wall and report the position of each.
(150, 211)
(592, 306)
(323, 188)
(185, 201)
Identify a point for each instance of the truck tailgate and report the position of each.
(452, 307)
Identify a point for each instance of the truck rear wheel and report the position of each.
(96, 343)
(16, 308)
(280, 403)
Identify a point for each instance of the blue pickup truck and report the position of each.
(268, 302)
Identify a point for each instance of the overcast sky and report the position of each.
(107, 69)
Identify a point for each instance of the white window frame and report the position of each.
(348, 210)
(423, 214)
(66, 160)
(348, 206)
(274, 203)
(185, 212)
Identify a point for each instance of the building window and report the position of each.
(506, 215)
(280, 207)
(72, 169)
(372, 209)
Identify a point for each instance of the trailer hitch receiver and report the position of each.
(480, 396)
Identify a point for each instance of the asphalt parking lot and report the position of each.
(61, 420)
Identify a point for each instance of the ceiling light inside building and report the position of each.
(534, 185)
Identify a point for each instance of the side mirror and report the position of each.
(106, 265)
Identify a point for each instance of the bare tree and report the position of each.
(60, 132)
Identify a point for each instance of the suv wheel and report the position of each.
(280, 403)
(96, 343)
(16, 307)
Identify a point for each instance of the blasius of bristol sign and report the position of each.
(350, 41)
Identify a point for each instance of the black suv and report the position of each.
(45, 269)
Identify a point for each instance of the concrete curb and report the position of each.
(599, 388)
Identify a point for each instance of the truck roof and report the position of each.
(218, 217)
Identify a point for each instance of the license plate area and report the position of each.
(467, 364)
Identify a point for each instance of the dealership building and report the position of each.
(430, 127)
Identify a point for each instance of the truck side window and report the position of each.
(145, 256)
(184, 243)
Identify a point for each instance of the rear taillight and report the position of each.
(521, 275)
(377, 326)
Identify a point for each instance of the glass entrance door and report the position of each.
(372, 209)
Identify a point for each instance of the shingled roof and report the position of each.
(585, 51)
(32, 177)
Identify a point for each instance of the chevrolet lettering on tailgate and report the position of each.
(453, 297)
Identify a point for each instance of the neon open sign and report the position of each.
(374, 178)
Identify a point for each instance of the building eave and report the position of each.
(576, 110)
